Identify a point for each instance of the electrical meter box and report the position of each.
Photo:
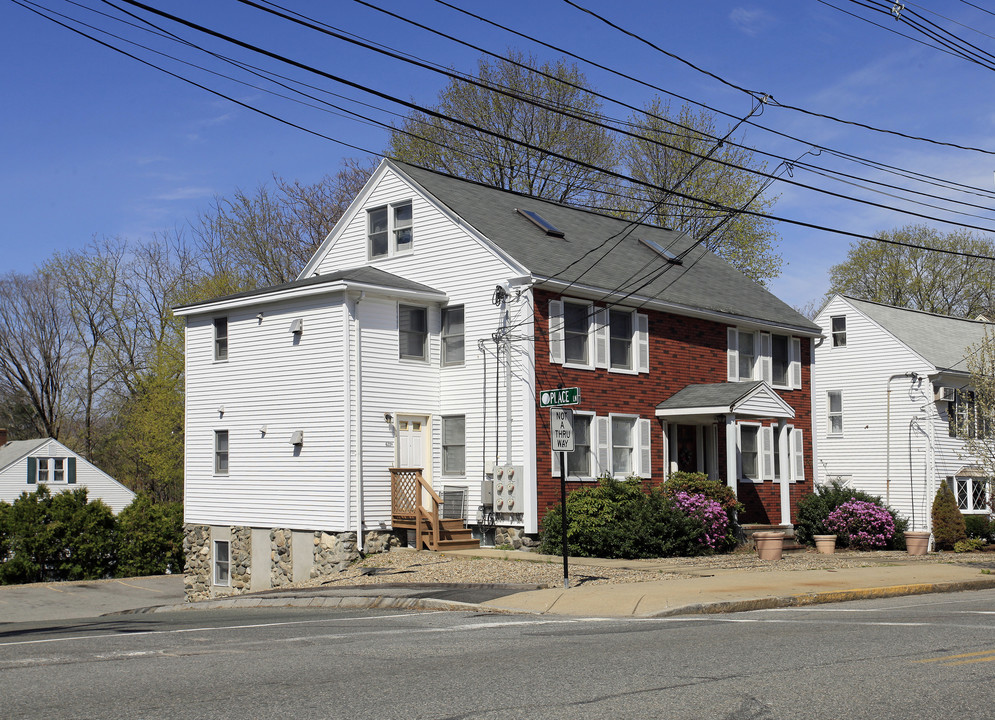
(509, 490)
(486, 492)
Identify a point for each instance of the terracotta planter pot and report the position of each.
(917, 542)
(825, 544)
(769, 545)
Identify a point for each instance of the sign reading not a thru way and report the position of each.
(561, 429)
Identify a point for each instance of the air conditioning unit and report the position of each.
(945, 394)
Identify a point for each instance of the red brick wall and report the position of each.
(683, 351)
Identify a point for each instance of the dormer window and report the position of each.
(389, 229)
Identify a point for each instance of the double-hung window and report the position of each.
(454, 445)
(585, 336)
(838, 329)
(580, 462)
(576, 332)
(51, 470)
(747, 355)
(222, 562)
(412, 327)
(620, 332)
(389, 230)
(220, 452)
(221, 338)
(780, 360)
(749, 449)
(835, 404)
(453, 344)
(757, 355)
(623, 445)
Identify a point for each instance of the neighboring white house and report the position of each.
(890, 383)
(26, 464)
(420, 336)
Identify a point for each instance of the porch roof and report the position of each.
(702, 402)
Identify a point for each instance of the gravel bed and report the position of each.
(522, 568)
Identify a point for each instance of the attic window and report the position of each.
(540, 222)
(662, 251)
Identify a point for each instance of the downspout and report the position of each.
(359, 424)
(887, 433)
(347, 393)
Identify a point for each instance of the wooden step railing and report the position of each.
(408, 489)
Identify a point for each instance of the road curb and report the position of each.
(346, 603)
(822, 598)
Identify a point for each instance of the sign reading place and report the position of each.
(561, 396)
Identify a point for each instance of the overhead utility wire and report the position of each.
(755, 94)
(259, 72)
(434, 113)
(827, 173)
(192, 82)
(904, 172)
(775, 218)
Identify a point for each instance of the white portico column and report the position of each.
(784, 477)
(731, 464)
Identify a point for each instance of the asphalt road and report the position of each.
(920, 657)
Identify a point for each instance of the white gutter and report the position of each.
(347, 390)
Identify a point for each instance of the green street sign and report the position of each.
(561, 396)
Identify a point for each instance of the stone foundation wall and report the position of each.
(281, 558)
(333, 553)
(240, 548)
(513, 537)
(197, 568)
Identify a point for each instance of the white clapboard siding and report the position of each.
(271, 386)
(99, 485)
(861, 371)
(447, 257)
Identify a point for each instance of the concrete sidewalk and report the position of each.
(739, 590)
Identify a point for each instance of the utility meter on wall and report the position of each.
(508, 493)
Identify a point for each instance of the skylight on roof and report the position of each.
(540, 222)
(662, 251)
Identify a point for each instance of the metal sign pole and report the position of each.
(563, 505)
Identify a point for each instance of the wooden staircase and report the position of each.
(408, 488)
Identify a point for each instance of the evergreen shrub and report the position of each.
(948, 522)
(150, 538)
(978, 527)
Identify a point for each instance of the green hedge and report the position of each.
(620, 519)
(45, 537)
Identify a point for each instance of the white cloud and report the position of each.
(191, 192)
(750, 21)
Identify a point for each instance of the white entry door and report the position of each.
(410, 441)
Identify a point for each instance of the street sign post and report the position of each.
(561, 439)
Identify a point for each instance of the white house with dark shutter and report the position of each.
(397, 383)
(26, 464)
(891, 386)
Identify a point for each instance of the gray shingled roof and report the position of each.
(942, 340)
(704, 282)
(708, 396)
(16, 449)
(362, 275)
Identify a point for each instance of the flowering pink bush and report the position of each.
(711, 515)
(861, 524)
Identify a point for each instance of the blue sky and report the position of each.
(96, 144)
